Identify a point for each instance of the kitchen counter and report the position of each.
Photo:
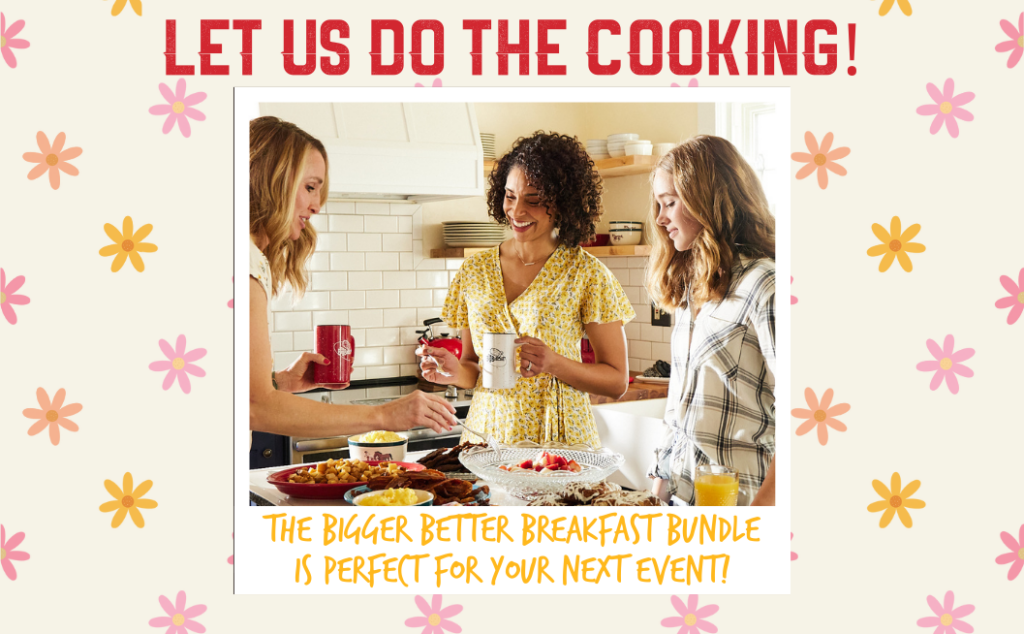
(636, 392)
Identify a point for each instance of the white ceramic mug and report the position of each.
(498, 360)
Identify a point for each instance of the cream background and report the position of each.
(860, 332)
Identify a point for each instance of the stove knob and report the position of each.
(268, 452)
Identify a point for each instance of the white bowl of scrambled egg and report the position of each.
(395, 497)
(378, 445)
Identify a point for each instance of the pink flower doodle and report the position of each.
(792, 298)
(947, 618)
(947, 364)
(179, 364)
(179, 618)
(436, 84)
(691, 84)
(947, 108)
(1015, 557)
(8, 554)
(7, 297)
(52, 414)
(792, 555)
(231, 302)
(7, 42)
(691, 619)
(179, 108)
(435, 619)
(820, 415)
(820, 158)
(1015, 43)
(1014, 301)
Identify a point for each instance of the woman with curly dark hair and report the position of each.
(542, 286)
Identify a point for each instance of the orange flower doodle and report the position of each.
(119, 6)
(127, 501)
(904, 7)
(820, 158)
(895, 245)
(127, 245)
(820, 415)
(54, 414)
(53, 158)
(894, 500)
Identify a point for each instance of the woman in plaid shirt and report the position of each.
(713, 262)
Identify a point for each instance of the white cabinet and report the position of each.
(393, 152)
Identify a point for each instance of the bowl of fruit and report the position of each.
(528, 470)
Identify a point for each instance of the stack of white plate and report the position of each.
(487, 141)
(473, 234)
(642, 147)
(598, 149)
(617, 143)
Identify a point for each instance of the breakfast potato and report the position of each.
(344, 471)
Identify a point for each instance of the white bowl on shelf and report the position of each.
(638, 149)
(625, 237)
(625, 224)
(661, 149)
(616, 153)
(622, 138)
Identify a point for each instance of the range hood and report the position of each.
(394, 152)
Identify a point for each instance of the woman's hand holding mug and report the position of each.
(536, 357)
(299, 375)
(438, 365)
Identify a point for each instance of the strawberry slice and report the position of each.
(526, 464)
(574, 466)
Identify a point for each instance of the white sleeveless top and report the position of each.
(259, 268)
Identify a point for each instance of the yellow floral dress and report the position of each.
(572, 289)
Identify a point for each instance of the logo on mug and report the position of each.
(495, 357)
(342, 348)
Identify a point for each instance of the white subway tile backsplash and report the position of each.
(348, 261)
(634, 365)
(405, 261)
(638, 348)
(365, 281)
(347, 224)
(431, 279)
(292, 321)
(280, 341)
(646, 363)
(431, 264)
(637, 263)
(402, 209)
(439, 296)
(319, 262)
(330, 282)
(284, 359)
(404, 224)
(396, 242)
(409, 336)
(423, 314)
(651, 333)
(453, 264)
(662, 351)
(401, 317)
(383, 337)
(340, 208)
(644, 297)
(382, 299)
(332, 242)
(417, 299)
(364, 242)
(383, 372)
(632, 330)
(400, 354)
(399, 280)
(349, 395)
(408, 369)
(373, 209)
(382, 261)
(417, 253)
(348, 300)
(369, 318)
(320, 223)
(304, 341)
(358, 374)
(417, 225)
(451, 276)
(643, 313)
(365, 357)
(380, 224)
(359, 336)
(636, 277)
(334, 317)
(622, 275)
(632, 294)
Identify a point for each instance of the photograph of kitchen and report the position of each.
(513, 303)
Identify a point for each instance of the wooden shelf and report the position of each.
(612, 167)
(601, 252)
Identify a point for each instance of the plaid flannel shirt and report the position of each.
(721, 401)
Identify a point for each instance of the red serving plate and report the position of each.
(325, 491)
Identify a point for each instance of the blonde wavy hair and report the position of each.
(723, 194)
(278, 151)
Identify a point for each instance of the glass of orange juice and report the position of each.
(716, 485)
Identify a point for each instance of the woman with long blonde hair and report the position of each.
(287, 185)
(713, 263)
